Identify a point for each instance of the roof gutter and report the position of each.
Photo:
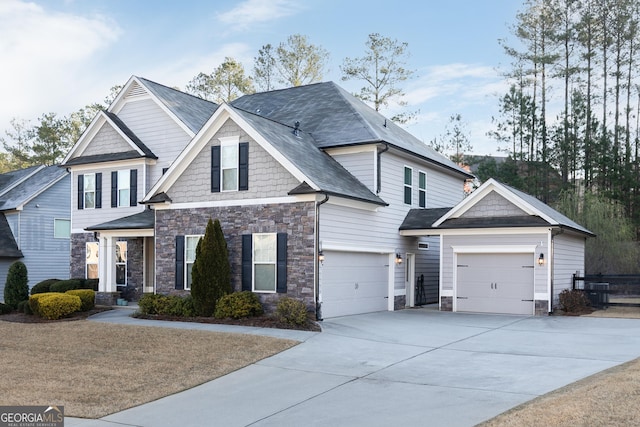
(317, 259)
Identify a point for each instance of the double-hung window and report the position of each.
(422, 189)
(190, 245)
(264, 262)
(229, 166)
(61, 228)
(92, 260)
(408, 185)
(124, 186)
(89, 190)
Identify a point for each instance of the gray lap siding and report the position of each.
(295, 219)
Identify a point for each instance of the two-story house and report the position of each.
(310, 185)
(35, 222)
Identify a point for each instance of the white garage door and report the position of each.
(353, 283)
(495, 283)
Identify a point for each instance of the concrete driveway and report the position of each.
(411, 367)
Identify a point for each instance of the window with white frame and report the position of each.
(121, 263)
(89, 188)
(422, 189)
(408, 185)
(61, 228)
(124, 185)
(190, 245)
(264, 262)
(91, 271)
(229, 166)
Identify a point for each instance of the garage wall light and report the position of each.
(321, 257)
(541, 260)
(398, 258)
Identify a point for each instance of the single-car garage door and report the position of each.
(353, 283)
(495, 283)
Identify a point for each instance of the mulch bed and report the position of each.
(264, 321)
(18, 317)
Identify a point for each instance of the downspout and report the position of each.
(552, 264)
(317, 257)
(379, 171)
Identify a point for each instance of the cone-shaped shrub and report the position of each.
(16, 288)
(211, 272)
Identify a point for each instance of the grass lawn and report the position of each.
(95, 369)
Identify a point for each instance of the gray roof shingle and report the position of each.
(139, 221)
(32, 183)
(191, 110)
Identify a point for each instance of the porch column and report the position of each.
(108, 264)
(103, 283)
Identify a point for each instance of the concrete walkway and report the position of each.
(411, 367)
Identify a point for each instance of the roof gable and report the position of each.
(8, 245)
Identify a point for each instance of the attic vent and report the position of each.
(423, 246)
(136, 90)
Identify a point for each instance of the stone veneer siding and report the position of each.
(446, 303)
(541, 307)
(79, 241)
(295, 219)
(135, 267)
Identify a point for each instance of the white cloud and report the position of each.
(252, 12)
(42, 53)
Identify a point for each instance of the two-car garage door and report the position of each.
(495, 283)
(354, 283)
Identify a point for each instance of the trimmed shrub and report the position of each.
(211, 271)
(56, 305)
(87, 298)
(238, 305)
(34, 302)
(5, 309)
(44, 286)
(16, 287)
(573, 300)
(291, 311)
(90, 284)
(167, 305)
(63, 286)
(24, 307)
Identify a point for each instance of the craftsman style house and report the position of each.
(310, 186)
(35, 222)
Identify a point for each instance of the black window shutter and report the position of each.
(133, 187)
(80, 191)
(247, 262)
(281, 286)
(215, 169)
(243, 167)
(114, 189)
(179, 262)
(98, 190)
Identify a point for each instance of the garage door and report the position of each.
(495, 283)
(353, 283)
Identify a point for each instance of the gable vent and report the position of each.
(136, 90)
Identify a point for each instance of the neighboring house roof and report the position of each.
(536, 213)
(191, 110)
(335, 118)
(19, 187)
(8, 245)
(139, 221)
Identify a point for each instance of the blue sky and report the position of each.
(60, 55)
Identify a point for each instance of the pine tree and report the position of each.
(16, 288)
(211, 272)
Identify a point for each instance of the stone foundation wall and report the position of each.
(446, 303)
(541, 307)
(295, 219)
(399, 302)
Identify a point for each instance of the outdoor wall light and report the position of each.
(398, 258)
(321, 256)
(541, 260)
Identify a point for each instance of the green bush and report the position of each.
(56, 305)
(16, 288)
(87, 298)
(167, 305)
(63, 286)
(44, 286)
(238, 305)
(291, 311)
(24, 307)
(573, 300)
(34, 301)
(5, 309)
(89, 284)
